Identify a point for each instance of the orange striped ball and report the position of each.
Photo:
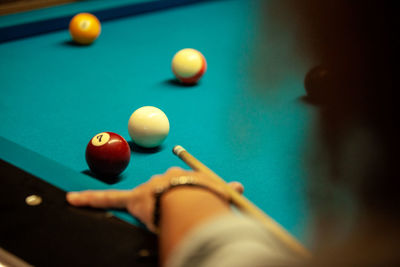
(189, 65)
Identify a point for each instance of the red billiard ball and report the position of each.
(319, 84)
(108, 154)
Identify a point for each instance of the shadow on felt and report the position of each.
(177, 84)
(105, 179)
(142, 150)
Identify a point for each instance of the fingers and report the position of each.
(238, 187)
(174, 171)
(100, 199)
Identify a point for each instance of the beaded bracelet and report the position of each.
(177, 182)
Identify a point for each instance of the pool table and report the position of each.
(55, 96)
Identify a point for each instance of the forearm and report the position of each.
(182, 209)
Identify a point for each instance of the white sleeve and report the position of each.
(230, 241)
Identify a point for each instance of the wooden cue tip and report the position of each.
(178, 150)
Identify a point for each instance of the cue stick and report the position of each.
(245, 205)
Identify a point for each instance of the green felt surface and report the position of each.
(55, 96)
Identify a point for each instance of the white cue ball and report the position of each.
(148, 127)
